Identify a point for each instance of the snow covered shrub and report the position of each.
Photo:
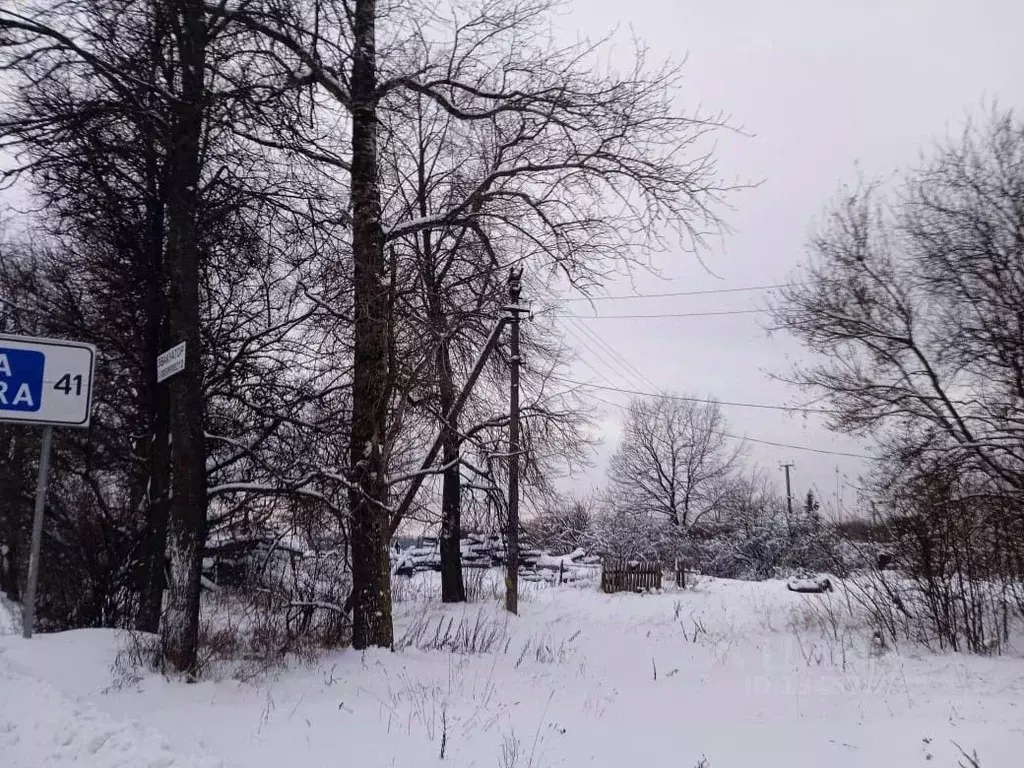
(813, 545)
(957, 575)
(732, 553)
(562, 529)
(247, 633)
(88, 573)
(138, 652)
(760, 548)
(315, 599)
(746, 534)
(753, 548)
(625, 535)
(234, 640)
(288, 602)
(91, 543)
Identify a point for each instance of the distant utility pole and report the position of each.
(839, 495)
(512, 534)
(789, 497)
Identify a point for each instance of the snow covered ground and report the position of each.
(9, 623)
(743, 674)
(42, 724)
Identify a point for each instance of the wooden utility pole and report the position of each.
(512, 533)
(789, 498)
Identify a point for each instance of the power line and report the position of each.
(604, 352)
(763, 406)
(669, 314)
(672, 294)
(586, 362)
(749, 439)
(638, 377)
(614, 368)
(803, 448)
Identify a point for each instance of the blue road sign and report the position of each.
(45, 381)
(21, 379)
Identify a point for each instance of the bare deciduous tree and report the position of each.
(673, 461)
(580, 168)
(913, 302)
(914, 305)
(132, 121)
(180, 120)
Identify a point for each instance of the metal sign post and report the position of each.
(28, 612)
(46, 382)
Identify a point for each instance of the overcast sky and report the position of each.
(830, 88)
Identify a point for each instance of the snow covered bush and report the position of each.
(88, 575)
(755, 546)
(248, 632)
(562, 528)
(623, 535)
(746, 533)
(957, 582)
(753, 551)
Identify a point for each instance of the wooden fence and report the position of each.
(625, 576)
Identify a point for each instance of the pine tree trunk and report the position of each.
(368, 499)
(187, 514)
(157, 513)
(156, 466)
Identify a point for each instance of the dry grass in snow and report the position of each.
(730, 675)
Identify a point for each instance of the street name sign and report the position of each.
(170, 362)
(46, 381)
